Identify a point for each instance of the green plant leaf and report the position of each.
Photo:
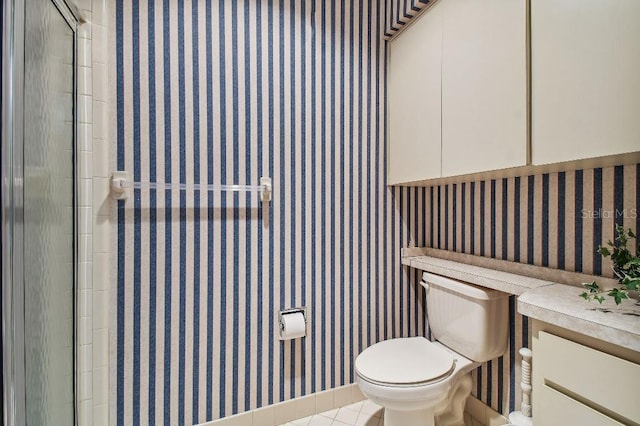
(600, 299)
(604, 251)
(585, 296)
(618, 295)
(592, 287)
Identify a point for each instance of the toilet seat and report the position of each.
(404, 362)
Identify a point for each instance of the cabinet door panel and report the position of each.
(569, 366)
(414, 101)
(557, 408)
(484, 85)
(585, 78)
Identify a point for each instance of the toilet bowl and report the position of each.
(419, 382)
(414, 379)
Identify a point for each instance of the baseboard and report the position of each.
(482, 414)
(298, 408)
(305, 406)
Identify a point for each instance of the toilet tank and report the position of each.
(469, 319)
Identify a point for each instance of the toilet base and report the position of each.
(453, 414)
(424, 417)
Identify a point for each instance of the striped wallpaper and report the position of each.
(399, 13)
(220, 91)
(555, 220)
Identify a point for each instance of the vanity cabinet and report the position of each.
(585, 79)
(575, 384)
(458, 91)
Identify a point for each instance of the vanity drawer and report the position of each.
(590, 378)
(559, 407)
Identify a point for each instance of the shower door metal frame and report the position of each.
(12, 206)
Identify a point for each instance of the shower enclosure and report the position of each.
(38, 212)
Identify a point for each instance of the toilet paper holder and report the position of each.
(283, 312)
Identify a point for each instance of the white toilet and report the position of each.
(419, 382)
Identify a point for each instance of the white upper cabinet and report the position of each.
(414, 101)
(585, 70)
(484, 85)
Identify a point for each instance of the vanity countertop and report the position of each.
(561, 305)
(485, 277)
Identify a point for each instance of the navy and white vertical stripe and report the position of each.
(222, 91)
(219, 91)
(399, 12)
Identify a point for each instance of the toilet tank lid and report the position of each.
(467, 289)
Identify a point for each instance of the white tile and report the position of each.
(85, 304)
(244, 419)
(85, 385)
(99, 120)
(85, 358)
(324, 401)
(85, 219)
(496, 419)
(101, 271)
(99, 12)
(265, 416)
(85, 193)
(100, 82)
(85, 109)
(305, 406)
(475, 408)
(342, 396)
(365, 419)
(100, 348)
(356, 393)
(84, 52)
(85, 248)
(331, 414)
(85, 165)
(84, 30)
(101, 238)
(84, 5)
(285, 411)
(99, 40)
(85, 136)
(320, 421)
(85, 331)
(85, 275)
(101, 385)
(301, 422)
(101, 415)
(100, 309)
(101, 158)
(356, 406)
(101, 198)
(370, 407)
(346, 415)
(85, 413)
(85, 85)
(339, 423)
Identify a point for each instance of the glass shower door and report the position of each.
(48, 214)
(42, 215)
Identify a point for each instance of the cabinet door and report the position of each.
(414, 101)
(484, 85)
(564, 370)
(585, 78)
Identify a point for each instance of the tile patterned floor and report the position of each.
(363, 413)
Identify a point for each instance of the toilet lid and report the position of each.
(404, 361)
